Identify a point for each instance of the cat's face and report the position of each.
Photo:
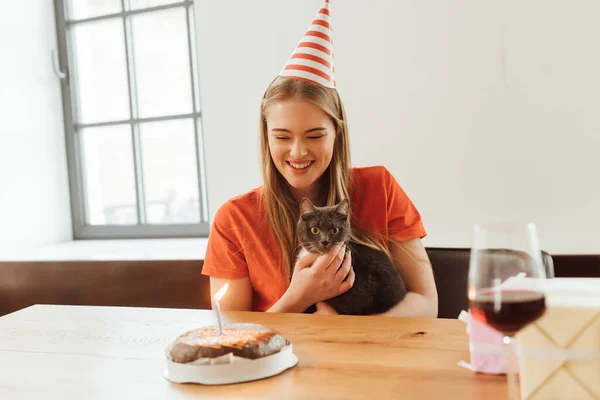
(320, 229)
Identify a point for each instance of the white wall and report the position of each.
(34, 193)
(482, 109)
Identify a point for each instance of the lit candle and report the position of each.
(218, 297)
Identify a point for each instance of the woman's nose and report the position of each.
(298, 150)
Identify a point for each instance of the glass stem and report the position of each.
(511, 374)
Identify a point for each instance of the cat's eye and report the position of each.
(335, 231)
(315, 231)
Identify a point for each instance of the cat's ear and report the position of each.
(342, 208)
(306, 207)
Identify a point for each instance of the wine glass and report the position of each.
(502, 253)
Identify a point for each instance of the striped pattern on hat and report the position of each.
(312, 60)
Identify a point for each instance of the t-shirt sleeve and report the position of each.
(404, 220)
(224, 253)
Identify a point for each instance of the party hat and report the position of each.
(312, 60)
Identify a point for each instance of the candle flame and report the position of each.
(221, 292)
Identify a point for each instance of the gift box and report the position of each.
(559, 354)
(487, 351)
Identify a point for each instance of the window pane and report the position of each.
(101, 69)
(137, 4)
(162, 66)
(79, 9)
(170, 172)
(202, 155)
(109, 175)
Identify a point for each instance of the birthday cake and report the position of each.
(249, 341)
(243, 352)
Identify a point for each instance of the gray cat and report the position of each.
(378, 285)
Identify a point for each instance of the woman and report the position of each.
(305, 153)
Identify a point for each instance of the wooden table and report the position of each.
(73, 352)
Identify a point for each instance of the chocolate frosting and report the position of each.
(243, 340)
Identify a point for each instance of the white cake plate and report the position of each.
(231, 369)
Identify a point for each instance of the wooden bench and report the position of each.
(180, 284)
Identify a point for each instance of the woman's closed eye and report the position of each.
(313, 137)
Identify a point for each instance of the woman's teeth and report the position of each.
(299, 166)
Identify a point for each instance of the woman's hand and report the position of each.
(317, 278)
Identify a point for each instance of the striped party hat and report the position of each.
(312, 60)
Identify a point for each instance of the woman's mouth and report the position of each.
(299, 167)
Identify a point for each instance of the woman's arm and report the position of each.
(238, 296)
(412, 262)
(315, 278)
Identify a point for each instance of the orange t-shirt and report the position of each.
(241, 243)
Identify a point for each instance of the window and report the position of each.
(132, 118)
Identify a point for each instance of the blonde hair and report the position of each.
(281, 207)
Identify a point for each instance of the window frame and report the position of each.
(82, 230)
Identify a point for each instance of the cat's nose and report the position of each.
(324, 243)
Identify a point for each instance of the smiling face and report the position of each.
(301, 139)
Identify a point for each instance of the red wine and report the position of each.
(508, 311)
